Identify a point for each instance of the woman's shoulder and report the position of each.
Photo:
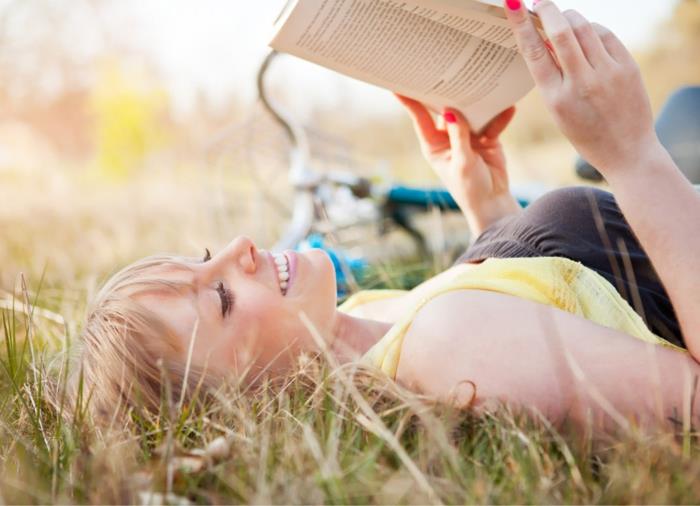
(474, 325)
(391, 305)
(480, 321)
(462, 311)
(379, 305)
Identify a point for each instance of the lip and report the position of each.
(292, 260)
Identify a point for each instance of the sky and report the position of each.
(215, 46)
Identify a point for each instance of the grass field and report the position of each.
(143, 180)
(321, 436)
(318, 437)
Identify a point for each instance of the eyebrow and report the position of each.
(190, 286)
(160, 282)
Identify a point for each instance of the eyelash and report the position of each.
(226, 298)
(225, 295)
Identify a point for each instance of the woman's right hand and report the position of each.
(592, 86)
(471, 166)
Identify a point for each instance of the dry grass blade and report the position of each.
(369, 417)
(9, 304)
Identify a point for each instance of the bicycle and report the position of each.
(328, 203)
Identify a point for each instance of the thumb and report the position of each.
(459, 132)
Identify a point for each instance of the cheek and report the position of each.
(267, 322)
(276, 336)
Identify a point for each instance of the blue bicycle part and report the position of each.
(342, 263)
(425, 198)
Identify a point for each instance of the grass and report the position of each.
(323, 435)
(320, 436)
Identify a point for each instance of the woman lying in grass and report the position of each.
(539, 315)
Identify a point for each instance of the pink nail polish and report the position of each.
(513, 5)
(450, 117)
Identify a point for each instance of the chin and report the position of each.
(324, 270)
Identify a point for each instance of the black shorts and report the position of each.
(587, 226)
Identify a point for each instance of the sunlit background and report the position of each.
(214, 46)
(131, 126)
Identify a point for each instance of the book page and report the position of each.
(440, 52)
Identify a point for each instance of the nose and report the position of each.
(242, 252)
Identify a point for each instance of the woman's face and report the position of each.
(244, 312)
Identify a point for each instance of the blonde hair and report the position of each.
(129, 358)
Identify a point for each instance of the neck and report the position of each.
(353, 337)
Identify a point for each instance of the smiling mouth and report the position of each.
(282, 264)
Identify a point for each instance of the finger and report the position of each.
(553, 53)
(590, 42)
(615, 48)
(533, 49)
(561, 34)
(496, 127)
(428, 134)
(440, 123)
(459, 132)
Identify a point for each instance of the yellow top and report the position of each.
(556, 282)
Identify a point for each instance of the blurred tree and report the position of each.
(48, 50)
(48, 46)
(673, 61)
(669, 62)
(130, 117)
(686, 19)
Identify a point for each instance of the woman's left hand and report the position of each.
(471, 166)
(591, 85)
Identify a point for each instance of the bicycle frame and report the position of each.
(315, 192)
(306, 182)
(301, 177)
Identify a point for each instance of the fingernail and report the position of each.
(450, 117)
(513, 5)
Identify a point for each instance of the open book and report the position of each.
(445, 53)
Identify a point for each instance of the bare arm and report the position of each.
(542, 358)
(595, 92)
(663, 209)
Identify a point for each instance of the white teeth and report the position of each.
(282, 264)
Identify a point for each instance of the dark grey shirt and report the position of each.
(585, 225)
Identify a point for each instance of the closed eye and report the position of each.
(226, 299)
